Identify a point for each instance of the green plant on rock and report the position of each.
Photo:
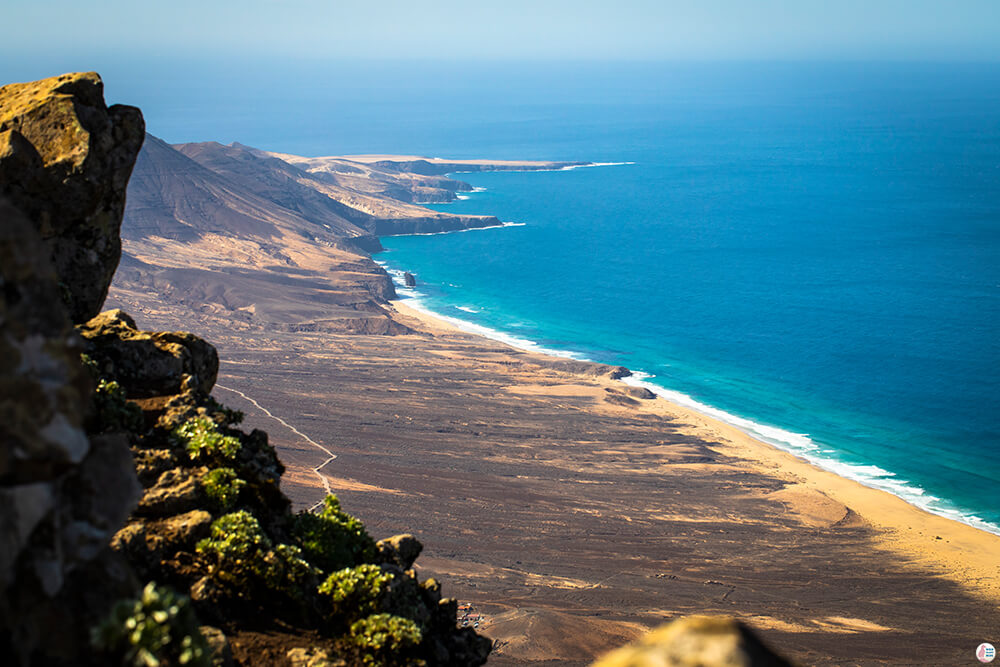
(112, 411)
(244, 560)
(355, 592)
(201, 438)
(223, 487)
(384, 639)
(332, 539)
(90, 365)
(158, 628)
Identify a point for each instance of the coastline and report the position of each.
(800, 446)
(955, 550)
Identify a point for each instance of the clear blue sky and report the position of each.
(510, 29)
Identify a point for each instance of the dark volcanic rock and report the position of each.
(62, 493)
(409, 279)
(399, 550)
(640, 392)
(149, 363)
(65, 160)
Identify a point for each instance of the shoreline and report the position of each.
(798, 445)
(954, 550)
(801, 446)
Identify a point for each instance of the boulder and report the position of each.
(65, 160)
(149, 363)
(696, 641)
(409, 280)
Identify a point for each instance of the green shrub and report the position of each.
(333, 539)
(90, 365)
(223, 487)
(245, 560)
(356, 591)
(112, 411)
(159, 628)
(201, 438)
(384, 639)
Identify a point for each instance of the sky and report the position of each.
(506, 30)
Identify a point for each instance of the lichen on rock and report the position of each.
(65, 160)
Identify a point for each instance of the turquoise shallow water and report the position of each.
(820, 266)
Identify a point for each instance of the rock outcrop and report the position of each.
(64, 488)
(65, 160)
(696, 641)
(150, 363)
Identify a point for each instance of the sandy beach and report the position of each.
(816, 497)
(560, 504)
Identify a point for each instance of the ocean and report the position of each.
(809, 251)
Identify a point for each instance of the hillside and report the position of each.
(244, 238)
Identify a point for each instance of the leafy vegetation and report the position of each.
(332, 539)
(355, 592)
(223, 487)
(112, 412)
(243, 559)
(158, 628)
(384, 639)
(201, 438)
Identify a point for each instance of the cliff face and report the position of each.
(64, 491)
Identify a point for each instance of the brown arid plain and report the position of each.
(571, 510)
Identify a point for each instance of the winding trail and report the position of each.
(316, 470)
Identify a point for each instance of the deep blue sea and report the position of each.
(810, 251)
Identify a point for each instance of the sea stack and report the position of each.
(409, 279)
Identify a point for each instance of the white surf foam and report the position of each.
(459, 231)
(801, 445)
(524, 171)
(469, 310)
(593, 164)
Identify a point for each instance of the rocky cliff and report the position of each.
(132, 508)
(65, 159)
